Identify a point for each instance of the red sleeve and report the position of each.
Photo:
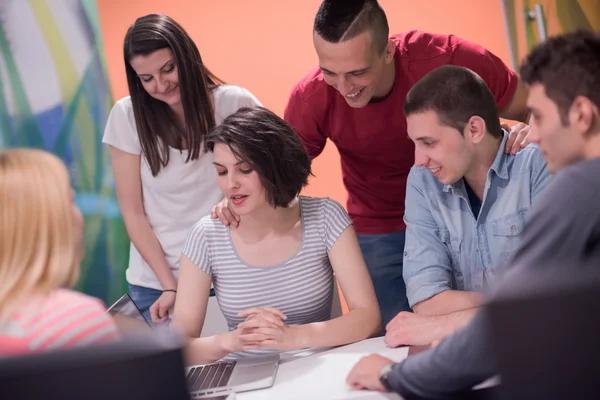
(299, 116)
(501, 80)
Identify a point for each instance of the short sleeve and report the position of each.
(299, 116)
(247, 99)
(196, 248)
(230, 98)
(120, 131)
(501, 80)
(335, 221)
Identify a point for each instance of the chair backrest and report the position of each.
(545, 333)
(131, 369)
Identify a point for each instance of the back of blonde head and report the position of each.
(38, 252)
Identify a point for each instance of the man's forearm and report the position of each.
(414, 329)
(449, 323)
(448, 302)
(457, 363)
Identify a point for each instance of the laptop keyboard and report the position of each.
(209, 376)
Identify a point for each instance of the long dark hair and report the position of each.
(156, 123)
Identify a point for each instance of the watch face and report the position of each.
(383, 376)
(386, 370)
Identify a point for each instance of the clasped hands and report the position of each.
(264, 328)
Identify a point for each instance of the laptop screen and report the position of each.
(127, 317)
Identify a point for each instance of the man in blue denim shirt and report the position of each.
(466, 202)
(562, 231)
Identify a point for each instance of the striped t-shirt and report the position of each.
(301, 287)
(63, 319)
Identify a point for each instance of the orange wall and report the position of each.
(266, 45)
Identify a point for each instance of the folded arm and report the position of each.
(427, 271)
(448, 302)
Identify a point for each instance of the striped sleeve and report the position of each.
(196, 248)
(335, 221)
(71, 319)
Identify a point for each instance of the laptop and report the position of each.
(544, 329)
(216, 379)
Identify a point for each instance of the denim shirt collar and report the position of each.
(499, 166)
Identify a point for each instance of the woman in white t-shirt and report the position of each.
(164, 178)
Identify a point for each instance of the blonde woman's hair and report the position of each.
(38, 252)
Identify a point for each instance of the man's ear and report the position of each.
(583, 115)
(475, 129)
(390, 50)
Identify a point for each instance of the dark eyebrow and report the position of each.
(161, 68)
(237, 163)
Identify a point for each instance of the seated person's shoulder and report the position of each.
(322, 205)
(208, 225)
(530, 157)
(75, 298)
(580, 178)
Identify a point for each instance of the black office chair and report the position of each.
(129, 370)
(545, 333)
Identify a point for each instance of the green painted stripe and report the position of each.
(76, 117)
(5, 127)
(65, 69)
(28, 134)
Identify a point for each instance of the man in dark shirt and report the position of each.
(564, 226)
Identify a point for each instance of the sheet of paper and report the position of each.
(307, 376)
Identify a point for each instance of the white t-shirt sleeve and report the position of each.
(120, 131)
(247, 99)
(230, 98)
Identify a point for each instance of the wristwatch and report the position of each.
(384, 374)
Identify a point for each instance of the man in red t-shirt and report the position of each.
(355, 98)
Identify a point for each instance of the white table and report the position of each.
(321, 374)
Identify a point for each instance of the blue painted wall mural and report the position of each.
(55, 95)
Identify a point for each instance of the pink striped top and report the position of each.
(62, 320)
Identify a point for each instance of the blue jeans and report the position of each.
(384, 254)
(143, 298)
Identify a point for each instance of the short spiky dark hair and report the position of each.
(455, 94)
(266, 142)
(566, 66)
(341, 20)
